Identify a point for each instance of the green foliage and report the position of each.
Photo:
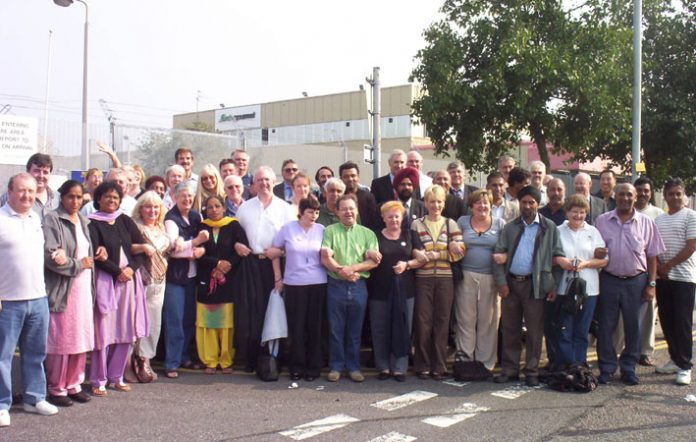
(493, 71)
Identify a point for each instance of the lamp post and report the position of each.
(85, 139)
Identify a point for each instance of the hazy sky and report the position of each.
(148, 58)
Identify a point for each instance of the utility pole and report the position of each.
(48, 90)
(376, 114)
(112, 121)
(637, 81)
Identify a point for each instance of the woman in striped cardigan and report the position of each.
(437, 242)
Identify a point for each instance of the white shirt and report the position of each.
(675, 230)
(652, 211)
(580, 244)
(22, 256)
(261, 224)
(424, 181)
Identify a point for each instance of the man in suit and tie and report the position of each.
(454, 206)
(457, 174)
(583, 184)
(284, 190)
(382, 188)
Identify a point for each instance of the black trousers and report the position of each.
(675, 305)
(304, 307)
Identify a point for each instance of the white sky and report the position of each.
(148, 58)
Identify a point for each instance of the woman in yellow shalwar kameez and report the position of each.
(216, 269)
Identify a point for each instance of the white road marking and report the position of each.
(393, 437)
(456, 383)
(317, 427)
(404, 400)
(513, 392)
(465, 411)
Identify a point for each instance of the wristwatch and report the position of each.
(652, 283)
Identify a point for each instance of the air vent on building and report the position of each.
(347, 123)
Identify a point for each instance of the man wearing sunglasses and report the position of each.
(284, 189)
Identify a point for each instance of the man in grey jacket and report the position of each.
(525, 280)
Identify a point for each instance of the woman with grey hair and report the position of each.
(173, 175)
(182, 225)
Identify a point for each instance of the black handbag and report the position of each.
(457, 271)
(267, 366)
(466, 370)
(575, 294)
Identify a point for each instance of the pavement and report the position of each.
(240, 407)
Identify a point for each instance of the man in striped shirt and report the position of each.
(677, 280)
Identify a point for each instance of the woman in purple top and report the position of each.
(304, 284)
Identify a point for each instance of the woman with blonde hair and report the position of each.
(148, 215)
(438, 242)
(210, 184)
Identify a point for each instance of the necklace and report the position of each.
(480, 230)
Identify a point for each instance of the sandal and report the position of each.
(227, 370)
(99, 391)
(190, 365)
(122, 386)
(209, 370)
(171, 374)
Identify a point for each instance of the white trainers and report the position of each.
(683, 377)
(669, 368)
(4, 418)
(43, 408)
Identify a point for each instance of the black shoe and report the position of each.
(440, 376)
(605, 378)
(295, 376)
(60, 401)
(400, 377)
(629, 379)
(423, 375)
(309, 378)
(646, 361)
(503, 378)
(80, 397)
(531, 381)
(383, 376)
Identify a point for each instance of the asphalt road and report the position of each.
(240, 407)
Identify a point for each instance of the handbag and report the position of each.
(267, 365)
(466, 370)
(576, 293)
(457, 271)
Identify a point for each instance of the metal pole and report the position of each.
(85, 138)
(637, 81)
(376, 121)
(48, 90)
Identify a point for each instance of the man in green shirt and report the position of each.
(343, 254)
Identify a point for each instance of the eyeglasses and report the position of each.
(291, 169)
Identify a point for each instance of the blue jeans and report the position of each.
(623, 295)
(345, 305)
(26, 323)
(179, 322)
(572, 338)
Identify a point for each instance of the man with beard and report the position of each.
(524, 283)
(406, 185)
(627, 283)
(553, 210)
(321, 177)
(367, 207)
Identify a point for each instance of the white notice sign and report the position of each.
(17, 139)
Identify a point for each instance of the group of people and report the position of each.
(103, 267)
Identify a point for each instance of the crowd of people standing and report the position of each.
(101, 270)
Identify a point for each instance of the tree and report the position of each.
(495, 70)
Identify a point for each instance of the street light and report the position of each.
(85, 140)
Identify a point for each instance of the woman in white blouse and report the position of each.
(580, 241)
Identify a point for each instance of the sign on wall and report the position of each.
(236, 118)
(18, 137)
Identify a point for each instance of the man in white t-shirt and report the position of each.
(24, 313)
(677, 280)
